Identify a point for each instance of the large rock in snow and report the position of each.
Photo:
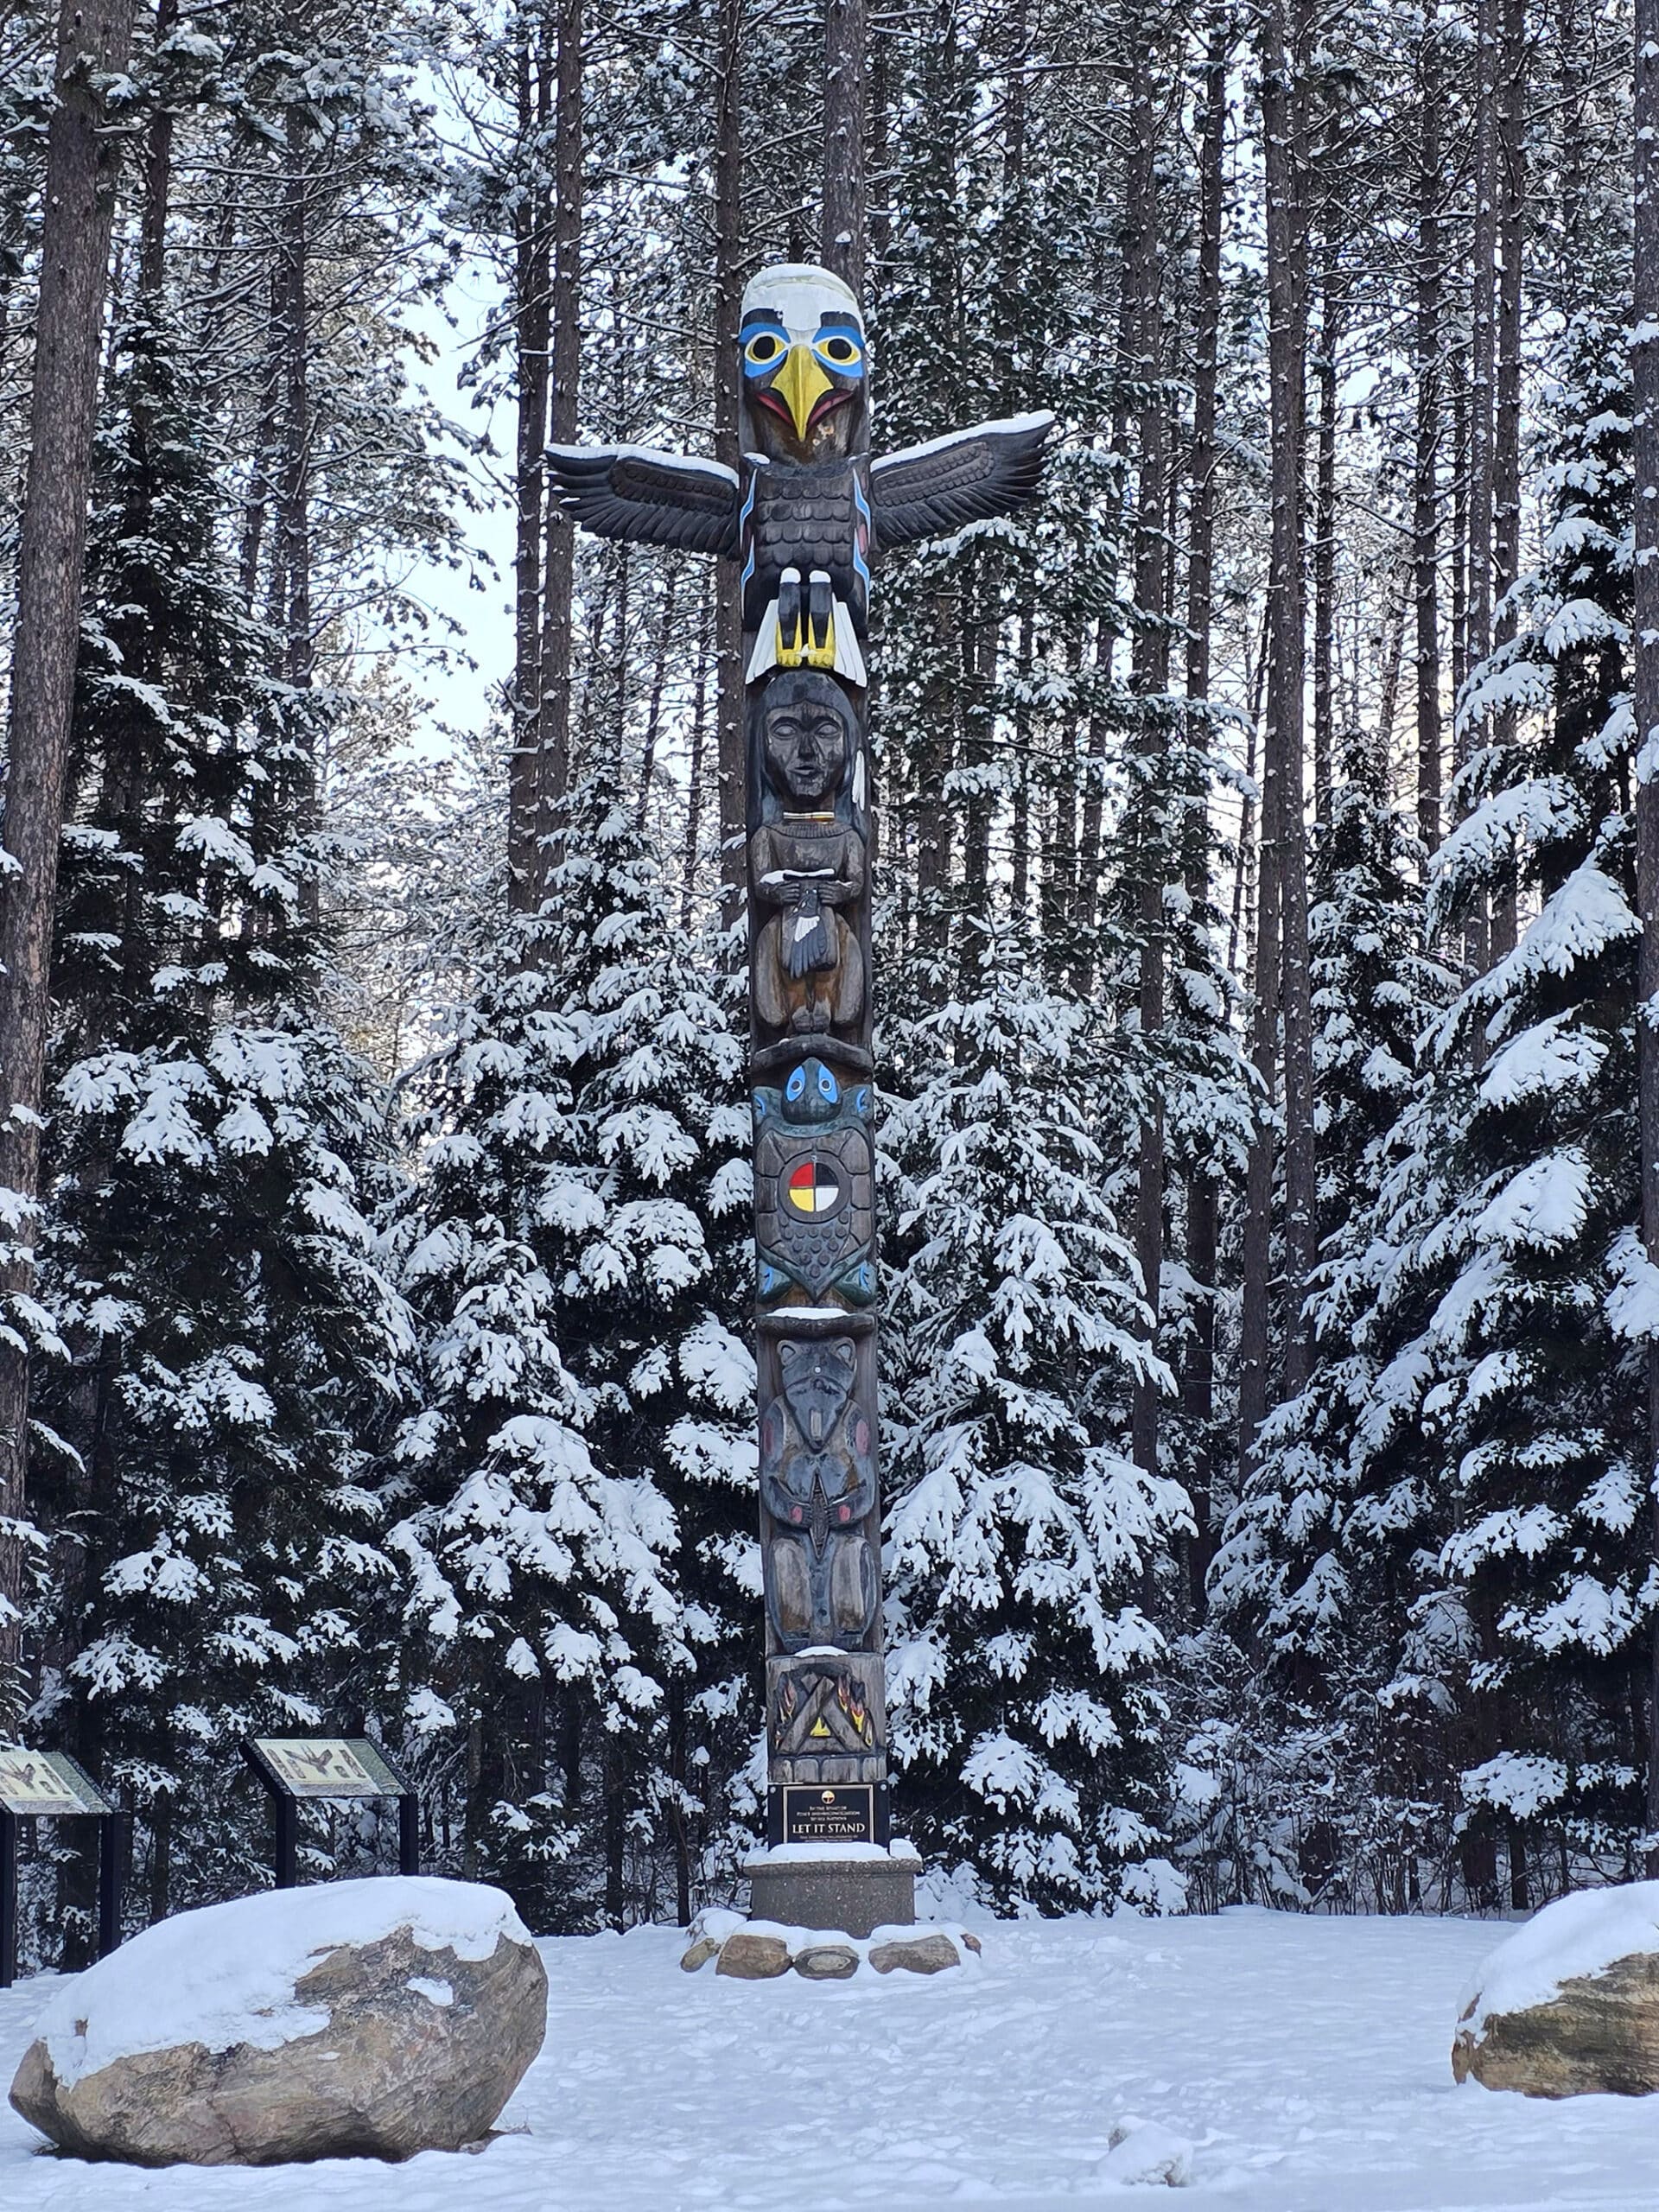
(1569, 2004)
(372, 2018)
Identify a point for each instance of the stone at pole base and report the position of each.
(753, 1949)
(854, 1888)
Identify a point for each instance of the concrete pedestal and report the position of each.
(855, 1895)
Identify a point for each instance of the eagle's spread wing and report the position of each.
(929, 491)
(646, 496)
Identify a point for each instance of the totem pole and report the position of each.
(806, 517)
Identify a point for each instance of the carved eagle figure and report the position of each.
(808, 500)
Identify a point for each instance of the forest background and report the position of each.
(1268, 900)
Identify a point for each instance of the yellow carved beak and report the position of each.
(802, 383)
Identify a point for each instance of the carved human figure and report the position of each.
(807, 860)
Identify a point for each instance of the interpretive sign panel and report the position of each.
(35, 1783)
(49, 1786)
(297, 1768)
(325, 1767)
(818, 1814)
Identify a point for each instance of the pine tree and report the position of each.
(1022, 1538)
(232, 1351)
(581, 1456)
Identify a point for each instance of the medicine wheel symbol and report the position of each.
(814, 1187)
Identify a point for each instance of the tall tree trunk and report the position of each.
(293, 483)
(1325, 542)
(294, 492)
(532, 90)
(692, 851)
(82, 151)
(558, 577)
(1644, 363)
(1282, 982)
(1506, 429)
(879, 220)
(1290, 34)
(1425, 509)
(844, 218)
(1198, 1379)
(654, 700)
(1483, 316)
(1149, 677)
(728, 300)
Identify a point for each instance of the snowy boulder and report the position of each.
(1569, 2005)
(371, 2018)
(1140, 2151)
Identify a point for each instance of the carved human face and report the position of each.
(806, 748)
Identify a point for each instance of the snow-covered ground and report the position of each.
(1306, 2060)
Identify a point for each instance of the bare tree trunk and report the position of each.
(554, 766)
(1380, 769)
(1149, 677)
(1282, 982)
(1483, 308)
(1506, 436)
(82, 157)
(294, 494)
(843, 141)
(1287, 169)
(1198, 1379)
(692, 851)
(1325, 543)
(529, 345)
(1645, 362)
(880, 217)
(1425, 475)
(729, 299)
(293, 564)
(1020, 857)
(654, 700)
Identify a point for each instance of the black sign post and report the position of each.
(49, 1786)
(296, 1768)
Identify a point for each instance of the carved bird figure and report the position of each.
(809, 510)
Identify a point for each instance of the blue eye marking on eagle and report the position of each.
(765, 346)
(828, 1089)
(796, 1087)
(840, 345)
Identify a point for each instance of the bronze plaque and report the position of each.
(816, 1812)
(303, 1766)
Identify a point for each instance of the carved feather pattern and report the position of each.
(647, 498)
(930, 491)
